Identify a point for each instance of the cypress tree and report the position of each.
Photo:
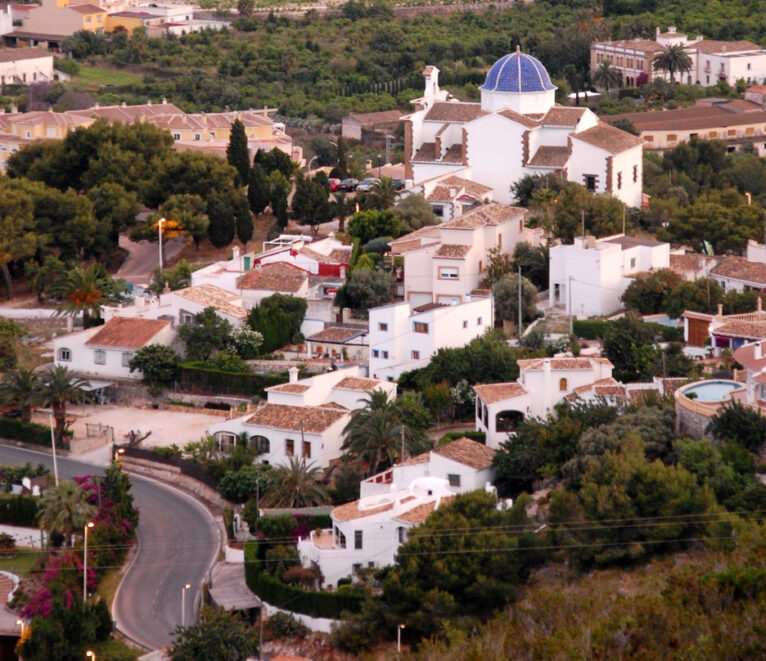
(342, 165)
(221, 215)
(237, 152)
(243, 219)
(279, 206)
(257, 189)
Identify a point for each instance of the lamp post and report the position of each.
(311, 160)
(380, 156)
(159, 229)
(85, 563)
(21, 624)
(183, 604)
(399, 639)
(91, 654)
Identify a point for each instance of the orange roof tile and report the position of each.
(274, 277)
(442, 111)
(334, 334)
(467, 452)
(127, 333)
(358, 383)
(351, 510)
(495, 392)
(609, 138)
(311, 419)
(739, 268)
(420, 513)
(452, 251)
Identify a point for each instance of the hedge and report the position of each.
(478, 436)
(19, 510)
(186, 466)
(313, 603)
(594, 329)
(26, 432)
(200, 376)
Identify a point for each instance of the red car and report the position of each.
(334, 184)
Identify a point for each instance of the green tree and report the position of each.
(65, 509)
(258, 190)
(158, 363)
(237, 152)
(369, 225)
(295, 485)
(342, 164)
(219, 636)
(245, 9)
(221, 214)
(648, 294)
(188, 211)
(497, 267)
(697, 295)
(243, 220)
(739, 424)
(506, 294)
(278, 319)
(672, 59)
(606, 76)
(275, 159)
(383, 193)
(244, 342)
(84, 290)
(375, 433)
(239, 485)
(534, 263)
(310, 203)
(18, 238)
(629, 344)
(415, 212)
(206, 334)
(365, 289)
(21, 388)
(114, 208)
(59, 388)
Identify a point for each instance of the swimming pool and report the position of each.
(711, 391)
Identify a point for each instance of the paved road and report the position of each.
(143, 258)
(178, 541)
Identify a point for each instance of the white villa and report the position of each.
(542, 383)
(366, 533)
(588, 278)
(444, 263)
(303, 418)
(403, 337)
(517, 130)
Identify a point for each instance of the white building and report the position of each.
(542, 383)
(517, 130)
(735, 273)
(6, 20)
(403, 337)
(304, 418)
(26, 65)
(588, 278)
(105, 351)
(270, 279)
(444, 263)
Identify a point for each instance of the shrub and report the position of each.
(26, 432)
(286, 625)
(478, 436)
(19, 510)
(7, 545)
(200, 376)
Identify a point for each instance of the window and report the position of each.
(390, 379)
(187, 318)
(3, 148)
(87, 19)
(382, 327)
(401, 534)
(731, 132)
(356, 567)
(126, 356)
(290, 447)
(465, 323)
(198, 136)
(448, 272)
(99, 357)
(590, 182)
(226, 440)
(454, 479)
(260, 444)
(65, 355)
(635, 174)
(438, 210)
(499, 241)
(632, 262)
(672, 137)
(100, 19)
(176, 136)
(375, 353)
(481, 266)
(385, 355)
(341, 539)
(416, 355)
(649, 138)
(562, 385)
(713, 134)
(212, 134)
(619, 180)
(27, 134)
(357, 539)
(307, 449)
(748, 66)
(478, 321)
(750, 130)
(420, 327)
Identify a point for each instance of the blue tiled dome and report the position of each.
(518, 72)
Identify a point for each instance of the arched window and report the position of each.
(562, 385)
(260, 444)
(226, 440)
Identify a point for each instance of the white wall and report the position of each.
(624, 162)
(253, 297)
(35, 70)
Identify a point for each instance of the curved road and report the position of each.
(178, 541)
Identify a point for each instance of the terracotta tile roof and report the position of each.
(423, 458)
(296, 388)
(127, 333)
(758, 89)
(646, 45)
(698, 117)
(26, 53)
(710, 46)
(740, 104)
(274, 277)
(420, 513)
(358, 383)
(738, 268)
(495, 392)
(562, 363)
(467, 452)
(428, 306)
(429, 231)
(427, 152)
(609, 381)
(471, 187)
(87, 9)
(334, 334)
(519, 119)
(689, 263)
(626, 242)
(314, 419)
(559, 116)
(334, 405)
(609, 138)
(443, 194)
(381, 117)
(671, 384)
(690, 314)
(351, 511)
(549, 157)
(493, 213)
(216, 297)
(453, 251)
(442, 111)
(753, 330)
(50, 118)
(340, 255)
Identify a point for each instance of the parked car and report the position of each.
(349, 184)
(398, 184)
(334, 184)
(366, 184)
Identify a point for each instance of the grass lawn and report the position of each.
(114, 648)
(93, 78)
(21, 563)
(108, 586)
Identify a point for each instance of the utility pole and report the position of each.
(569, 294)
(582, 215)
(520, 320)
(389, 146)
(623, 220)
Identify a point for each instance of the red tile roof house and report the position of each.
(105, 351)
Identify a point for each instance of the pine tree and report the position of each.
(310, 203)
(243, 219)
(237, 152)
(221, 228)
(257, 189)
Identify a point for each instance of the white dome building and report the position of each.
(520, 82)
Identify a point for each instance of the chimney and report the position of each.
(657, 33)
(235, 253)
(757, 351)
(720, 309)
(265, 111)
(149, 103)
(164, 101)
(123, 105)
(293, 372)
(346, 312)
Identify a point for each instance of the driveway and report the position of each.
(143, 258)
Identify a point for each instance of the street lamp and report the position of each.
(183, 604)
(311, 160)
(85, 564)
(399, 639)
(91, 654)
(21, 624)
(159, 229)
(380, 156)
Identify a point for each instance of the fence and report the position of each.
(97, 430)
(186, 467)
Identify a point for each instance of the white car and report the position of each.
(366, 184)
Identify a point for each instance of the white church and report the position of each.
(517, 130)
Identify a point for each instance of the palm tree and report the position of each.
(544, 200)
(22, 388)
(606, 76)
(59, 387)
(81, 290)
(383, 193)
(65, 509)
(295, 485)
(374, 433)
(671, 59)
